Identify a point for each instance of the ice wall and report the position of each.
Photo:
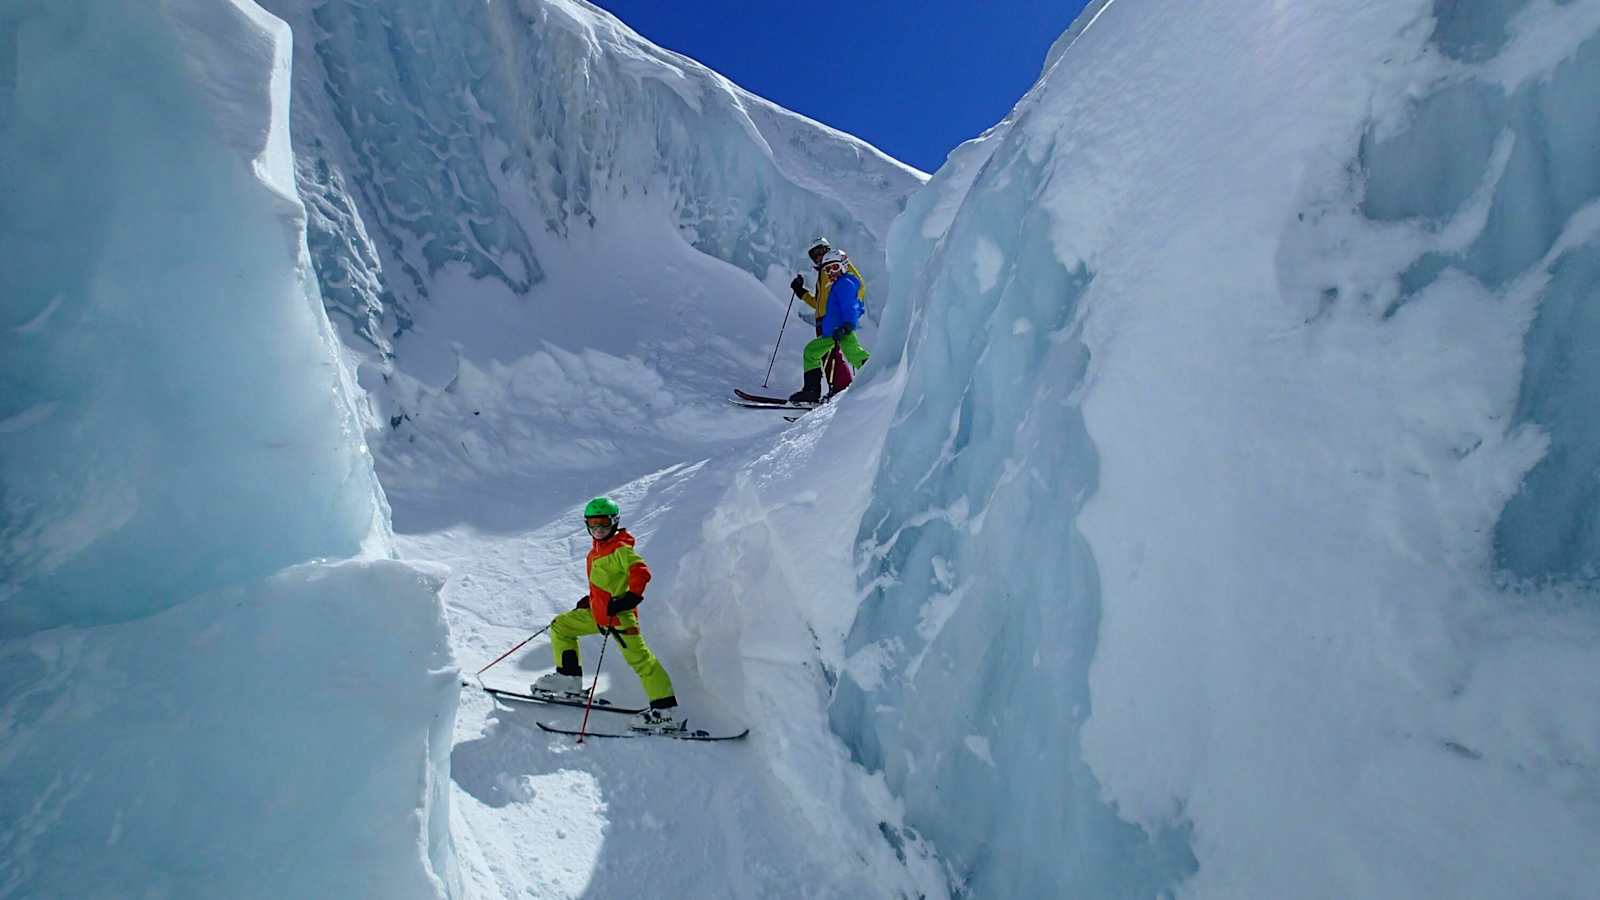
(170, 383)
(471, 134)
(1236, 531)
(193, 700)
(967, 683)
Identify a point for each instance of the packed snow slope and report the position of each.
(193, 543)
(1235, 535)
(553, 249)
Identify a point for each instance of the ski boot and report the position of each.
(559, 685)
(657, 721)
(811, 394)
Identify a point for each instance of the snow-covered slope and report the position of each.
(536, 214)
(467, 135)
(569, 245)
(199, 694)
(1235, 533)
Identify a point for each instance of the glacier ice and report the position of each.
(963, 636)
(196, 691)
(261, 740)
(1244, 511)
(470, 134)
(1519, 137)
(1232, 520)
(137, 319)
(494, 188)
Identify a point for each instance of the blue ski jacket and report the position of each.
(844, 305)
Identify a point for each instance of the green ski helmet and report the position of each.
(601, 507)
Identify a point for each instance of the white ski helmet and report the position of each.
(834, 256)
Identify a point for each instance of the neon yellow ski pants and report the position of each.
(818, 348)
(566, 628)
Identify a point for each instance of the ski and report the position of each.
(758, 398)
(600, 703)
(685, 735)
(755, 404)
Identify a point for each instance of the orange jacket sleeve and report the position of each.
(638, 577)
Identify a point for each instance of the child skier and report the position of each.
(839, 311)
(617, 576)
(818, 301)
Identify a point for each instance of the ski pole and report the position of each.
(592, 687)
(479, 674)
(792, 294)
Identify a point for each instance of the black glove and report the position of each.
(798, 285)
(583, 602)
(841, 330)
(623, 602)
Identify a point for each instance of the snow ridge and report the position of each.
(464, 134)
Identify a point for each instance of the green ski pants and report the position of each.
(566, 628)
(854, 353)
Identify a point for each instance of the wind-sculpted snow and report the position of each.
(478, 135)
(1230, 404)
(192, 696)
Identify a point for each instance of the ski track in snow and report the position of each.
(536, 814)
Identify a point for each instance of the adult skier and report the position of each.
(818, 301)
(617, 576)
(839, 309)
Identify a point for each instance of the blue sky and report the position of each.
(913, 78)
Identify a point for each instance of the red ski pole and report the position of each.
(590, 702)
(479, 674)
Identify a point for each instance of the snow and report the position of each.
(1261, 484)
(266, 740)
(548, 290)
(135, 430)
(215, 682)
(492, 128)
(1216, 517)
(781, 814)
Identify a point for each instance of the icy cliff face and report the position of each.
(477, 136)
(147, 312)
(1237, 531)
(180, 706)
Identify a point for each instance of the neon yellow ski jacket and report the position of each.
(613, 567)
